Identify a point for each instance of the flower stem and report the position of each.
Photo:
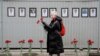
(88, 50)
(30, 49)
(41, 47)
(21, 49)
(75, 48)
(7, 48)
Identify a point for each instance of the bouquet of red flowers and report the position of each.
(7, 42)
(89, 42)
(40, 20)
(41, 41)
(74, 42)
(30, 41)
(21, 42)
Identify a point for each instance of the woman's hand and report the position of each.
(41, 19)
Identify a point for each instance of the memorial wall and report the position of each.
(81, 20)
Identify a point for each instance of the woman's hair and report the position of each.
(54, 13)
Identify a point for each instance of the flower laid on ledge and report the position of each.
(74, 42)
(90, 42)
(30, 41)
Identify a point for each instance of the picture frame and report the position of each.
(64, 12)
(84, 12)
(22, 12)
(52, 9)
(93, 12)
(11, 11)
(44, 12)
(75, 12)
(32, 12)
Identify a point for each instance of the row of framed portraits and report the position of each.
(45, 12)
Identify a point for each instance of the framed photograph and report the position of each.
(11, 11)
(32, 12)
(52, 9)
(93, 12)
(22, 12)
(44, 12)
(75, 12)
(84, 12)
(64, 12)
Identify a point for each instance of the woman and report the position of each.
(54, 39)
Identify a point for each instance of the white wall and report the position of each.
(99, 24)
(50, 0)
(16, 28)
(0, 24)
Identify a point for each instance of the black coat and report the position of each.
(54, 39)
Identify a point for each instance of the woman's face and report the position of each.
(53, 17)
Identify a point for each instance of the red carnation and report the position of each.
(22, 41)
(30, 41)
(38, 21)
(42, 18)
(41, 41)
(74, 41)
(90, 42)
(7, 41)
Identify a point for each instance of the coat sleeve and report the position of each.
(55, 26)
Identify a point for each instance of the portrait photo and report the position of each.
(22, 12)
(75, 12)
(64, 12)
(93, 12)
(32, 12)
(84, 12)
(11, 11)
(44, 12)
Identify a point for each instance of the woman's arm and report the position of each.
(50, 28)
